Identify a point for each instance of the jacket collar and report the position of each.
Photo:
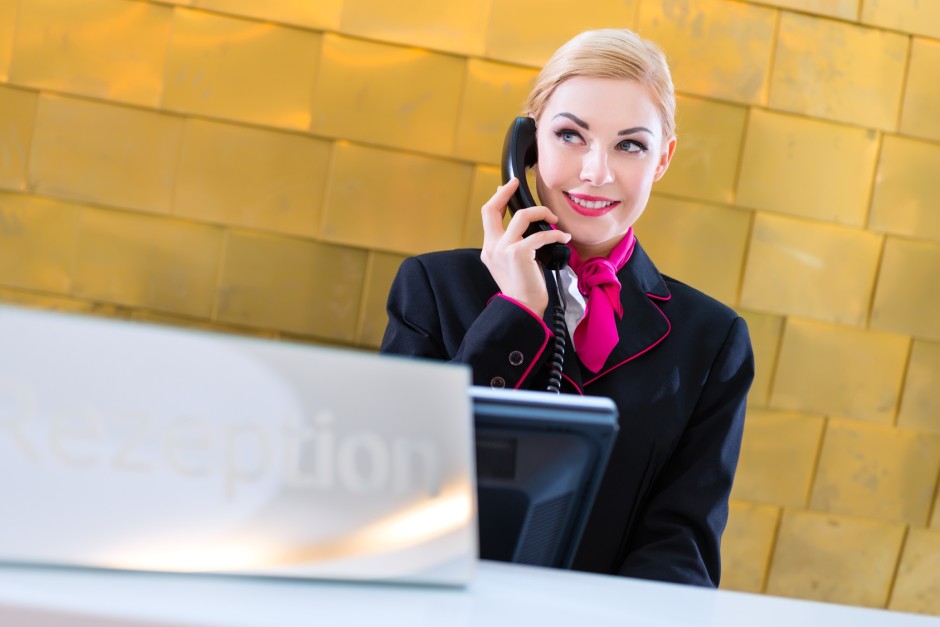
(643, 325)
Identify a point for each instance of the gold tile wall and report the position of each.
(264, 167)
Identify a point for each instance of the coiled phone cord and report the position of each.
(557, 360)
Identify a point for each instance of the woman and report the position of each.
(677, 363)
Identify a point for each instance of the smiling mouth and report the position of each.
(590, 206)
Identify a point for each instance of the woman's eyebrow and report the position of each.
(635, 129)
(575, 119)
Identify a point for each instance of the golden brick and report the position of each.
(746, 545)
(147, 261)
(839, 371)
(319, 15)
(104, 153)
(241, 70)
(836, 559)
(838, 71)
(8, 10)
(485, 181)
(529, 31)
(843, 9)
(811, 269)
(807, 168)
(765, 331)
(391, 95)
(706, 162)
(715, 47)
(493, 96)
(373, 319)
(702, 245)
(392, 201)
(876, 472)
(250, 177)
(37, 242)
(111, 49)
(906, 188)
(292, 285)
(922, 96)
(917, 586)
(775, 440)
(18, 112)
(36, 300)
(910, 16)
(920, 403)
(154, 317)
(451, 26)
(907, 300)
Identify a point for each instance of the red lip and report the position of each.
(591, 213)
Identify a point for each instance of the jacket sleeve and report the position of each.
(441, 318)
(677, 534)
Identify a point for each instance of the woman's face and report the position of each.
(600, 147)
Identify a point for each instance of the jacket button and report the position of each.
(497, 383)
(515, 358)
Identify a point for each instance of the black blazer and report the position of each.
(679, 377)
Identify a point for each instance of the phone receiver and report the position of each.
(520, 152)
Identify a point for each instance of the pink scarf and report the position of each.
(596, 334)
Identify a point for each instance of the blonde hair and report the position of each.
(609, 53)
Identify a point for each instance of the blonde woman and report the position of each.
(677, 363)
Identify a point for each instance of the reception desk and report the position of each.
(500, 594)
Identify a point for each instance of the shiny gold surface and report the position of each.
(838, 559)
(922, 96)
(393, 201)
(485, 181)
(906, 188)
(766, 331)
(915, 588)
(783, 168)
(291, 285)
(17, 117)
(697, 244)
(250, 177)
(876, 472)
(493, 95)
(240, 69)
(910, 16)
(388, 95)
(706, 162)
(838, 71)
(528, 31)
(775, 440)
(113, 49)
(844, 9)
(835, 370)
(907, 300)
(716, 48)
(791, 264)
(458, 27)
(8, 10)
(920, 404)
(747, 544)
(380, 272)
(318, 14)
(104, 153)
(37, 243)
(147, 261)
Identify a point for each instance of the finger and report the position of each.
(524, 217)
(544, 238)
(494, 209)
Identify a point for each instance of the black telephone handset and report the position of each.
(519, 152)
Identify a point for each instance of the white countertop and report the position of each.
(501, 594)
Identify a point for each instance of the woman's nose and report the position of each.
(594, 168)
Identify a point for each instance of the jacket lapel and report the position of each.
(644, 325)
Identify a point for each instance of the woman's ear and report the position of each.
(665, 158)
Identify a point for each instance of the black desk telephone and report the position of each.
(519, 153)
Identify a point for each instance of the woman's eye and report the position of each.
(631, 145)
(568, 136)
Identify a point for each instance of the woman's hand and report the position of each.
(509, 257)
